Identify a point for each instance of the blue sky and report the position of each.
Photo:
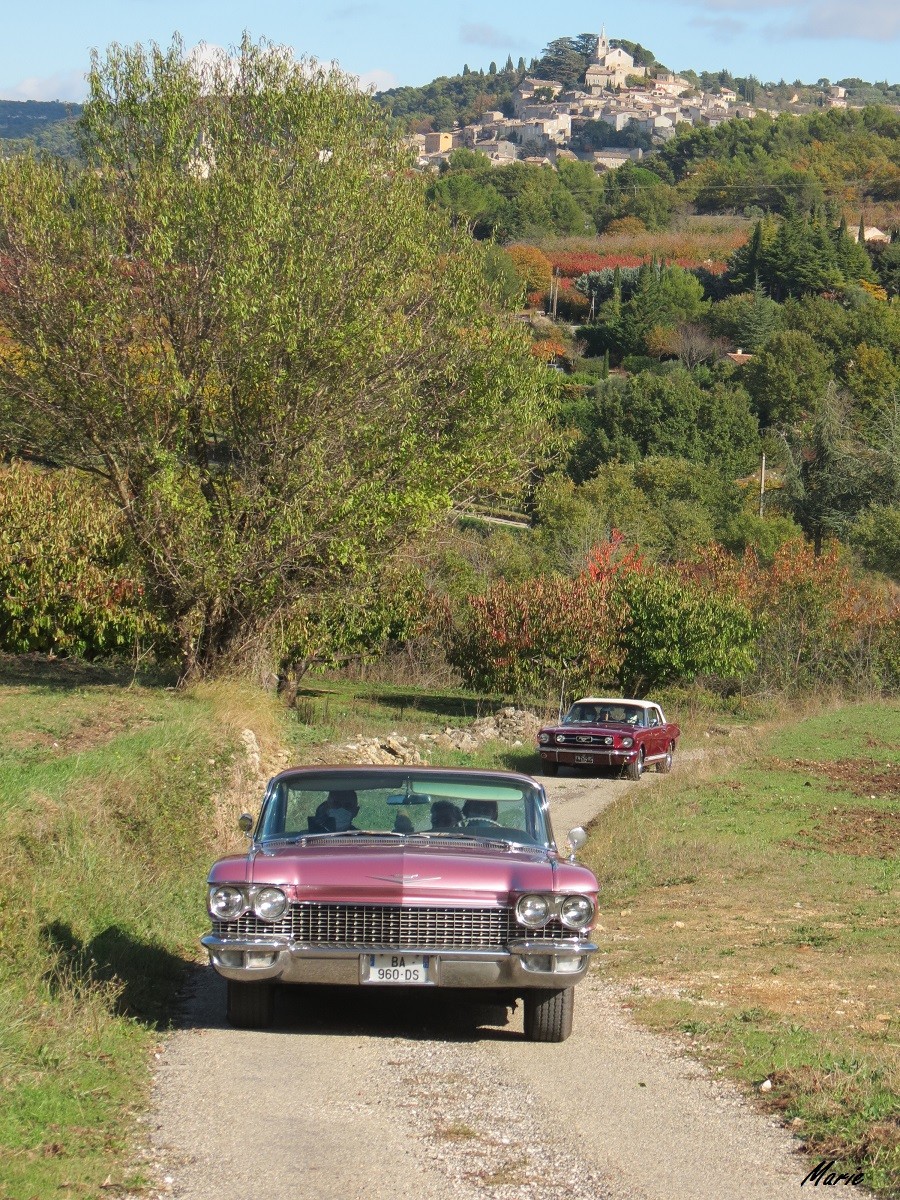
(44, 53)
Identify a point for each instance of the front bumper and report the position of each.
(597, 756)
(526, 963)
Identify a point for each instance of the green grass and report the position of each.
(105, 811)
(750, 901)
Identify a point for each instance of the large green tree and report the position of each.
(243, 319)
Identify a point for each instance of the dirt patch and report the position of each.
(84, 735)
(861, 776)
(862, 831)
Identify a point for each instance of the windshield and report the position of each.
(392, 804)
(604, 714)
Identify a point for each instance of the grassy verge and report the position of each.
(750, 903)
(107, 807)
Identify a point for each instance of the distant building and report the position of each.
(871, 233)
(610, 67)
(439, 143)
(613, 157)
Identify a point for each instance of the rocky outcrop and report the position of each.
(514, 726)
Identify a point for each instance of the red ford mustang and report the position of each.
(404, 877)
(602, 732)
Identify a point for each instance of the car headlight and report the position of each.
(627, 742)
(577, 912)
(543, 738)
(227, 902)
(533, 911)
(269, 903)
(560, 737)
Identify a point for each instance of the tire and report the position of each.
(548, 1014)
(665, 766)
(634, 770)
(550, 768)
(250, 1005)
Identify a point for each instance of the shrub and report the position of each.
(618, 622)
(532, 265)
(67, 584)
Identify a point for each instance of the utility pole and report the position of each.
(762, 484)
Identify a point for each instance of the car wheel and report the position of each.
(250, 1005)
(548, 1014)
(551, 768)
(665, 766)
(634, 770)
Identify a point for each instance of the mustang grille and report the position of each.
(392, 925)
(589, 739)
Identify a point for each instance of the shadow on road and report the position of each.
(432, 1015)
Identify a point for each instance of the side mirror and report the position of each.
(245, 823)
(577, 838)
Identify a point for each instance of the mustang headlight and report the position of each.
(627, 742)
(577, 912)
(269, 903)
(560, 737)
(533, 911)
(543, 738)
(227, 902)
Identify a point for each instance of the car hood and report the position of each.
(609, 727)
(400, 873)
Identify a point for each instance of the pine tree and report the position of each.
(759, 320)
(508, 68)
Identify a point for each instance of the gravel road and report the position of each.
(418, 1099)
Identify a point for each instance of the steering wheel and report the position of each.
(482, 821)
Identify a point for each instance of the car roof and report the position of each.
(358, 770)
(616, 700)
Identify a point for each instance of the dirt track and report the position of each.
(340, 1100)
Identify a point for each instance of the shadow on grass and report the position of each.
(520, 758)
(145, 977)
(71, 674)
(426, 704)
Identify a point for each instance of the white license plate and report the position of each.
(397, 968)
(584, 758)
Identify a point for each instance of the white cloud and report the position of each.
(380, 80)
(869, 20)
(486, 35)
(64, 85)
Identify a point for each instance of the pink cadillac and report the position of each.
(411, 877)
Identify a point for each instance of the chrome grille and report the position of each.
(392, 925)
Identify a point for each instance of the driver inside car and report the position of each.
(481, 810)
(336, 813)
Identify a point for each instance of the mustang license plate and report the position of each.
(584, 758)
(396, 968)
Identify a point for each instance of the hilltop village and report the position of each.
(616, 91)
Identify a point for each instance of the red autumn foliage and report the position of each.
(571, 265)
